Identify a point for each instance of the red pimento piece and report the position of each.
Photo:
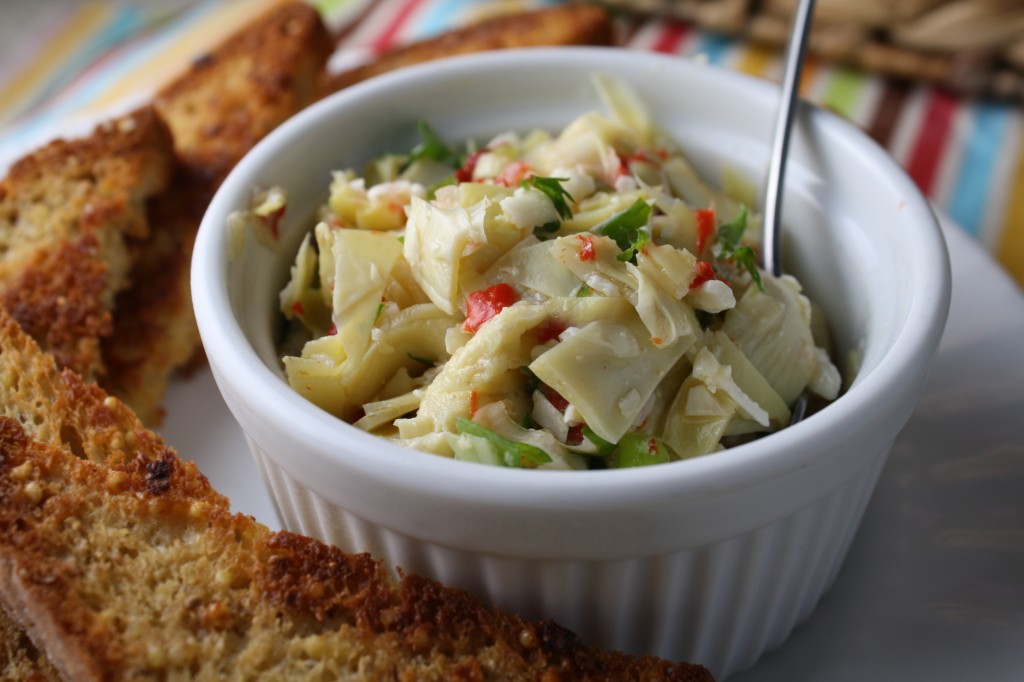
(333, 330)
(550, 331)
(575, 435)
(640, 156)
(705, 228)
(484, 304)
(512, 174)
(474, 403)
(555, 398)
(652, 446)
(274, 222)
(704, 273)
(587, 252)
(465, 174)
(298, 308)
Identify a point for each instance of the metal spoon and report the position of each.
(771, 246)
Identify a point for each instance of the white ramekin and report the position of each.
(712, 560)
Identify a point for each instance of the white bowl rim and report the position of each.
(744, 466)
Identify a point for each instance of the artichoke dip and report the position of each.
(573, 301)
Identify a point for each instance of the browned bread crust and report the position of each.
(569, 24)
(134, 568)
(217, 110)
(58, 408)
(67, 212)
(116, 579)
(233, 96)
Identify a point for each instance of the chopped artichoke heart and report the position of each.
(665, 317)
(589, 142)
(769, 327)
(713, 296)
(435, 241)
(532, 266)
(299, 298)
(416, 332)
(826, 381)
(433, 443)
(381, 412)
(362, 266)
(718, 377)
(624, 104)
(607, 370)
(604, 266)
(749, 379)
(671, 268)
(488, 363)
(319, 375)
(419, 330)
(348, 196)
(699, 433)
(597, 208)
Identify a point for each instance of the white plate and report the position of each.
(933, 587)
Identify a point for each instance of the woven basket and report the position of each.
(974, 47)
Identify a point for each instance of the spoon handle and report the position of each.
(771, 249)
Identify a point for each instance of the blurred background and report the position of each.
(938, 83)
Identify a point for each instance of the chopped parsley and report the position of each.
(624, 225)
(643, 238)
(552, 188)
(431, 146)
(729, 246)
(542, 231)
(512, 453)
(422, 360)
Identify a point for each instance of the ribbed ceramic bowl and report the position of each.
(713, 559)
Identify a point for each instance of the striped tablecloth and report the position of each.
(63, 64)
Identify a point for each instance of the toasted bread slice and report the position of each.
(232, 97)
(217, 110)
(67, 212)
(132, 569)
(569, 24)
(58, 408)
(117, 581)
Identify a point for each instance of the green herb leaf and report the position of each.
(542, 231)
(432, 146)
(444, 182)
(532, 380)
(643, 238)
(731, 233)
(513, 453)
(729, 246)
(603, 446)
(624, 225)
(583, 291)
(552, 187)
(745, 257)
(422, 360)
(380, 309)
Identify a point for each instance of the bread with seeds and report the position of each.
(131, 569)
(225, 102)
(67, 214)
